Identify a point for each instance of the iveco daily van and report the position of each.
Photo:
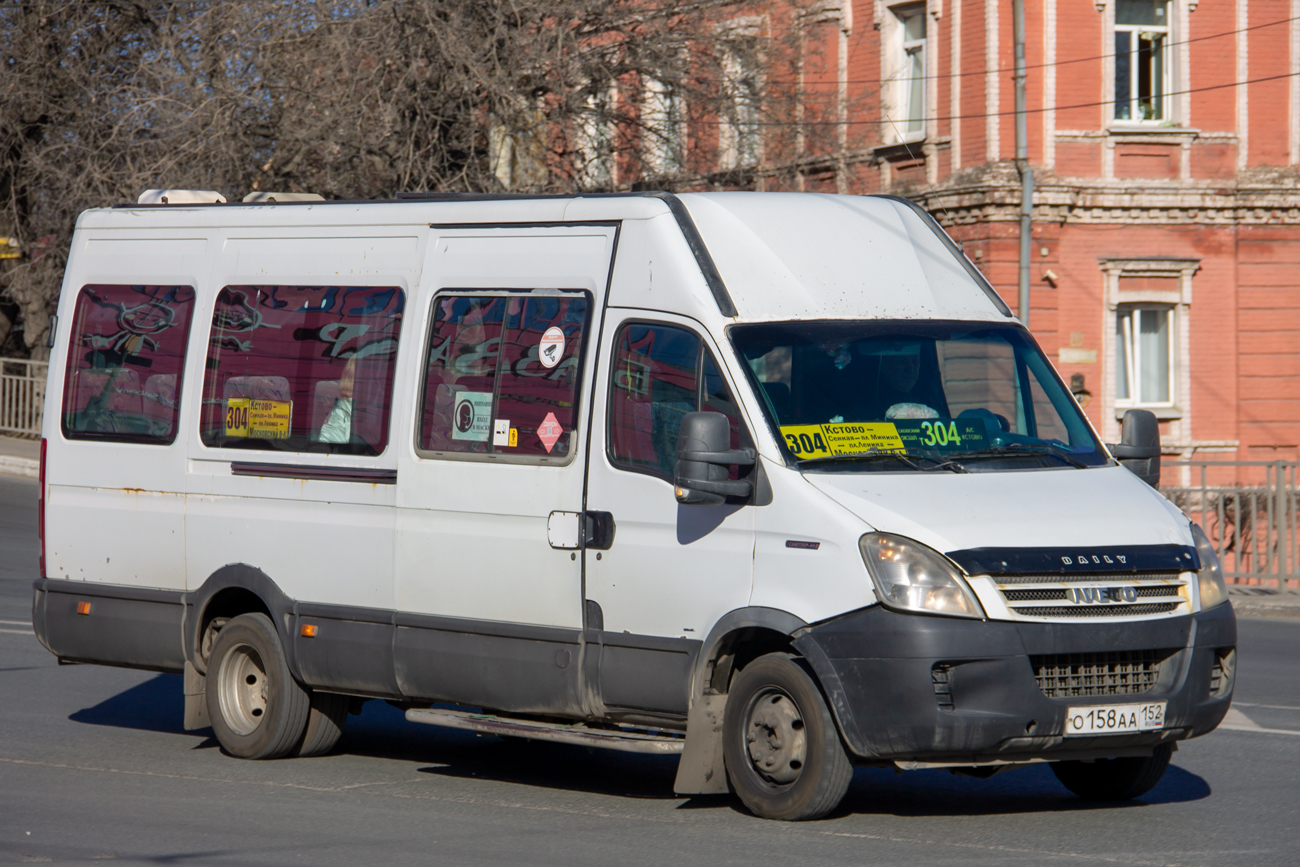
(771, 481)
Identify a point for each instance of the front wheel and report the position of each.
(783, 753)
(257, 709)
(1114, 779)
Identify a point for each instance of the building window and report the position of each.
(1144, 356)
(1141, 59)
(904, 71)
(662, 123)
(739, 137)
(913, 21)
(594, 154)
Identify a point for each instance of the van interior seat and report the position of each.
(116, 391)
(160, 397)
(257, 388)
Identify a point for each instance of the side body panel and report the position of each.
(115, 511)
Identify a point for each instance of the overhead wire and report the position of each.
(985, 115)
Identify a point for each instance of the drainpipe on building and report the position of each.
(1022, 160)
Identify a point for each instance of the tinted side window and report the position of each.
(502, 375)
(654, 382)
(126, 362)
(302, 368)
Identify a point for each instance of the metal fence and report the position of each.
(1249, 511)
(22, 396)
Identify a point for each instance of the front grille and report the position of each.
(1106, 577)
(1099, 611)
(1122, 672)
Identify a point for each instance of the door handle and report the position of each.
(598, 530)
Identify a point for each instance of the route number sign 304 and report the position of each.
(1115, 719)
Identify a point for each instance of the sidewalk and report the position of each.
(1264, 602)
(20, 457)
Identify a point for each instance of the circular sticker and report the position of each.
(551, 349)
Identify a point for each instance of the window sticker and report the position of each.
(472, 417)
(549, 431)
(855, 438)
(501, 432)
(264, 419)
(551, 348)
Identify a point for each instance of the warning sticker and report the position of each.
(551, 349)
(472, 418)
(501, 432)
(549, 431)
(262, 419)
(854, 438)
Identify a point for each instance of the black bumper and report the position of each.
(878, 670)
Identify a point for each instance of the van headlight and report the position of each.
(1214, 590)
(911, 577)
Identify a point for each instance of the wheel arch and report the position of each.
(736, 637)
(228, 592)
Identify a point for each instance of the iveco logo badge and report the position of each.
(1085, 559)
(1089, 595)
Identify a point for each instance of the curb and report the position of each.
(20, 466)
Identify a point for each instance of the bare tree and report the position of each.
(367, 98)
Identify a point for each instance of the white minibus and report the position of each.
(772, 482)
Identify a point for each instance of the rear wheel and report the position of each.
(783, 753)
(1114, 779)
(257, 709)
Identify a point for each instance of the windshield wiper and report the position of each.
(903, 457)
(1026, 449)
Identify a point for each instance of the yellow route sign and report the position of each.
(848, 438)
(261, 419)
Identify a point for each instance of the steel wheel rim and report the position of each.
(775, 738)
(242, 688)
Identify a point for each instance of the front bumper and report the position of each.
(877, 667)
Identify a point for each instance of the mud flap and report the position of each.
(701, 770)
(196, 703)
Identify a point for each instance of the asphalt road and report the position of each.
(94, 765)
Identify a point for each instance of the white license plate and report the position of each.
(1110, 719)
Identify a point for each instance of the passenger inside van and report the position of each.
(338, 426)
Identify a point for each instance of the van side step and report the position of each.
(576, 733)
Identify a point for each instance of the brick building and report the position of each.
(1166, 254)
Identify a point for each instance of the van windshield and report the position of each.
(905, 395)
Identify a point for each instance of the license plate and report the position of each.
(1112, 719)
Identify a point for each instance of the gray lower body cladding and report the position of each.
(878, 668)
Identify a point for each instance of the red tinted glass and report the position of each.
(126, 361)
(502, 374)
(654, 383)
(302, 368)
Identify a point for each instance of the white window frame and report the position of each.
(595, 167)
(1130, 349)
(896, 62)
(740, 139)
(1177, 300)
(663, 129)
(1170, 108)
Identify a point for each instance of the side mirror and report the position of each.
(1139, 446)
(703, 455)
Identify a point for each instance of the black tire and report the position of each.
(257, 709)
(1114, 779)
(782, 750)
(325, 722)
